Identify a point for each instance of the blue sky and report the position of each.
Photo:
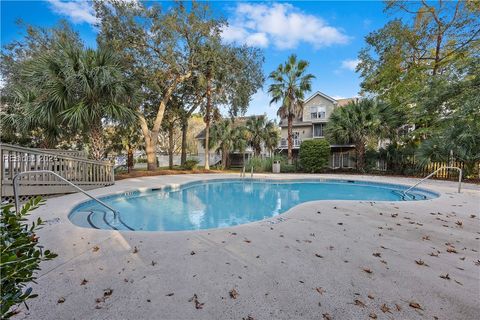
(327, 34)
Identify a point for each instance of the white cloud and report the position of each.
(350, 64)
(76, 11)
(281, 24)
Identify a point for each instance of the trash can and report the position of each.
(276, 167)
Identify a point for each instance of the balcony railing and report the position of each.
(295, 143)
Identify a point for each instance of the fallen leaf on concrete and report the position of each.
(372, 315)
(107, 292)
(445, 276)
(385, 308)
(462, 258)
(135, 249)
(458, 282)
(477, 263)
(248, 318)
(154, 263)
(398, 307)
(99, 300)
(451, 250)
(95, 249)
(394, 215)
(198, 304)
(472, 216)
(359, 303)
(327, 316)
(84, 282)
(383, 261)
(377, 254)
(61, 300)
(320, 290)
(433, 254)
(420, 262)
(367, 270)
(192, 253)
(459, 223)
(415, 305)
(233, 293)
(318, 255)
(170, 294)
(371, 297)
(247, 241)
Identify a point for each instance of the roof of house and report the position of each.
(318, 93)
(345, 101)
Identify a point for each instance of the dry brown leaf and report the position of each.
(318, 255)
(451, 250)
(445, 276)
(170, 294)
(95, 249)
(247, 241)
(459, 223)
(320, 290)
(61, 300)
(426, 238)
(420, 262)
(359, 303)
(367, 270)
(377, 254)
(327, 316)
(385, 308)
(135, 249)
(372, 315)
(198, 304)
(383, 261)
(371, 297)
(415, 305)
(107, 292)
(398, 307)
(233, 293)
(458, 282)
(84, 282)
(433, 254)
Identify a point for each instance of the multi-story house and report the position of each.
(311, 125)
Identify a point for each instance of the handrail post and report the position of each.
(15, 189)
(242, 174)
(251, 172)
(433, 173)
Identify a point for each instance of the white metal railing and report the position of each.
(434, 172)
(16, 195)
(295, 143)
(84, 172)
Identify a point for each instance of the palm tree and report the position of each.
(358, 122)
(261, 132)
(227, 138)
(290, 83)
(82, 88)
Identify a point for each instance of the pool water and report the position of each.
(224, 203)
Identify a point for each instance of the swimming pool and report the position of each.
(226, 202)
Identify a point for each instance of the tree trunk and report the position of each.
(129, 158)
(183, 157)
(290, 139)
(150, 147)
(360, 148)
(207, 124)
(96, 141)
(170, 147)
(437, 51)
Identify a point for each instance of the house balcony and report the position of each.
(284, 143)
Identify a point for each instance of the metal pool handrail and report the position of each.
(15, 189)
(434, 172)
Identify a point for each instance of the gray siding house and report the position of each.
(311, 125)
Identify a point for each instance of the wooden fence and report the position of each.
(87, 174)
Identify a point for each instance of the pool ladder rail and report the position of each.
(405, 192)
(16, 196)
(242, 174)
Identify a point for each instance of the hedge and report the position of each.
(314, 155)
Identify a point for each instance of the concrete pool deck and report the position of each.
(323, 260)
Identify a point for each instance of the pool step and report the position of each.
(103, 219)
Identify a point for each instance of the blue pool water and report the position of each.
(223, 203)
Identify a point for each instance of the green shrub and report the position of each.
(190, 164)
(314, 155)
(21, 255)
(259, 165)
(287, 168)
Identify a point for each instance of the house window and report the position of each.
(317, 112)
(318, 129)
